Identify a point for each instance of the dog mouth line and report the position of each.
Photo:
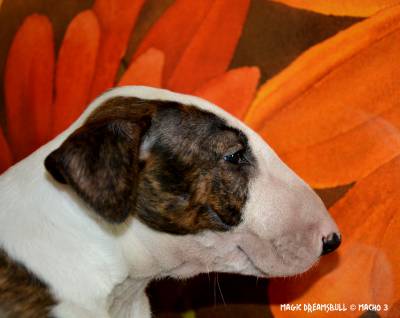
(258, 269)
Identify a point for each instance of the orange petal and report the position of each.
(303, 74)
(211, 49)
(75, 69)
(233, 90)
(5, 153)
(385, 277)
(145, 70)
(29, 85)
(321, 116)
(354, 8)
(368, 219)
(180, 25)
(349, 156)
(116, 18)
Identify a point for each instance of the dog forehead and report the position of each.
(156, 94)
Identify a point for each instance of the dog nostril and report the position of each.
(330, 243)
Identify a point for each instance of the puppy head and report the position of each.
(187, 172)
(187, 169)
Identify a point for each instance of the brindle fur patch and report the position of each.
(100, 159)
(22, 294)
(182, 185)
(186, 185)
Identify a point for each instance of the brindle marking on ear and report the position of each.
(183, 185)
(22, 294)
(99, 160)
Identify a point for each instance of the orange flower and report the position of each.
(146, 70)
(91, 53)
(356, 8)
(116, 19)
(5, 157)
(75, 69)
(333, 115)
(29, 86)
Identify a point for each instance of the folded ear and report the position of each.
(100, 160)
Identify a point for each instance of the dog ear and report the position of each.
(100, 160)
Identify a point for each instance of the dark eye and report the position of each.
(237, 158)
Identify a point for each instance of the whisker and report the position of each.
(220, 291)
(215, 291)
(208, 274)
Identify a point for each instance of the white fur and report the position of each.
(95, 270)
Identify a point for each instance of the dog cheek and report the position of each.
(228, 198)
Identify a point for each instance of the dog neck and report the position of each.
(128, 299)
(150, 255)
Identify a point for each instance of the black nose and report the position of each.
(330, 243)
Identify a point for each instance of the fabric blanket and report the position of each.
(319, 80)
